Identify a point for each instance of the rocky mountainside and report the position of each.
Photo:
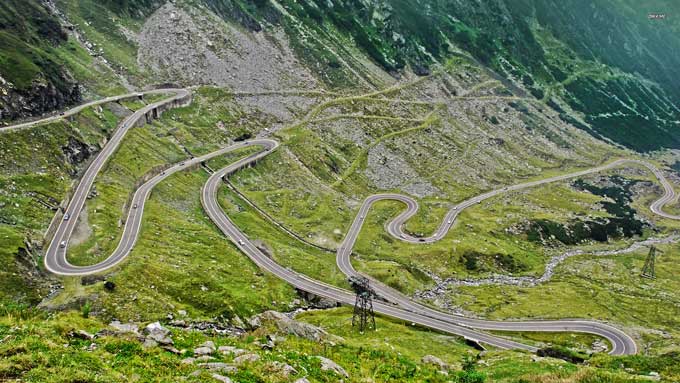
(606, 67)
(33, 79)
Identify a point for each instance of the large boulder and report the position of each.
(329, 365)
(246, 358)
(289, 326)
(431, 359)
(157, 333)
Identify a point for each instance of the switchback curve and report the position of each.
(399, 307)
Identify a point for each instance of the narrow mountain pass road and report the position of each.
(55, 257)
(397, 305)
(621, 342)
(77, 109)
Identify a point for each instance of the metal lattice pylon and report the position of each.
(648, 270)
(363, 316)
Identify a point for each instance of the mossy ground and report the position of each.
(38, 348)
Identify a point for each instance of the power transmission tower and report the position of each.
(363, 316)
(648, 270)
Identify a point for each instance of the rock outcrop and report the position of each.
(157, 334)
(292, 327)
(431, 359)
(207, 348)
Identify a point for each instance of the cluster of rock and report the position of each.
(235, 327)
(203, 358)
(207, 356)
(153, 335)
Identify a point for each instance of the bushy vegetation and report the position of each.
(644, 121)
(622, 223)
(475, 261)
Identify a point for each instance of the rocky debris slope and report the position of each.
(387, 171)
(196, 46)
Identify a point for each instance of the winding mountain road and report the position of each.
(55, 257)
(398, 306)
(77, 109)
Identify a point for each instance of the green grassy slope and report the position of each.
(37, 171)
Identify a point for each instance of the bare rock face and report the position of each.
(41, 97)
(293, 327)
(76, 152)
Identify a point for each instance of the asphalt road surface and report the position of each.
(395, 304)
(622, 343)
(55, 257)
(79, 108)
